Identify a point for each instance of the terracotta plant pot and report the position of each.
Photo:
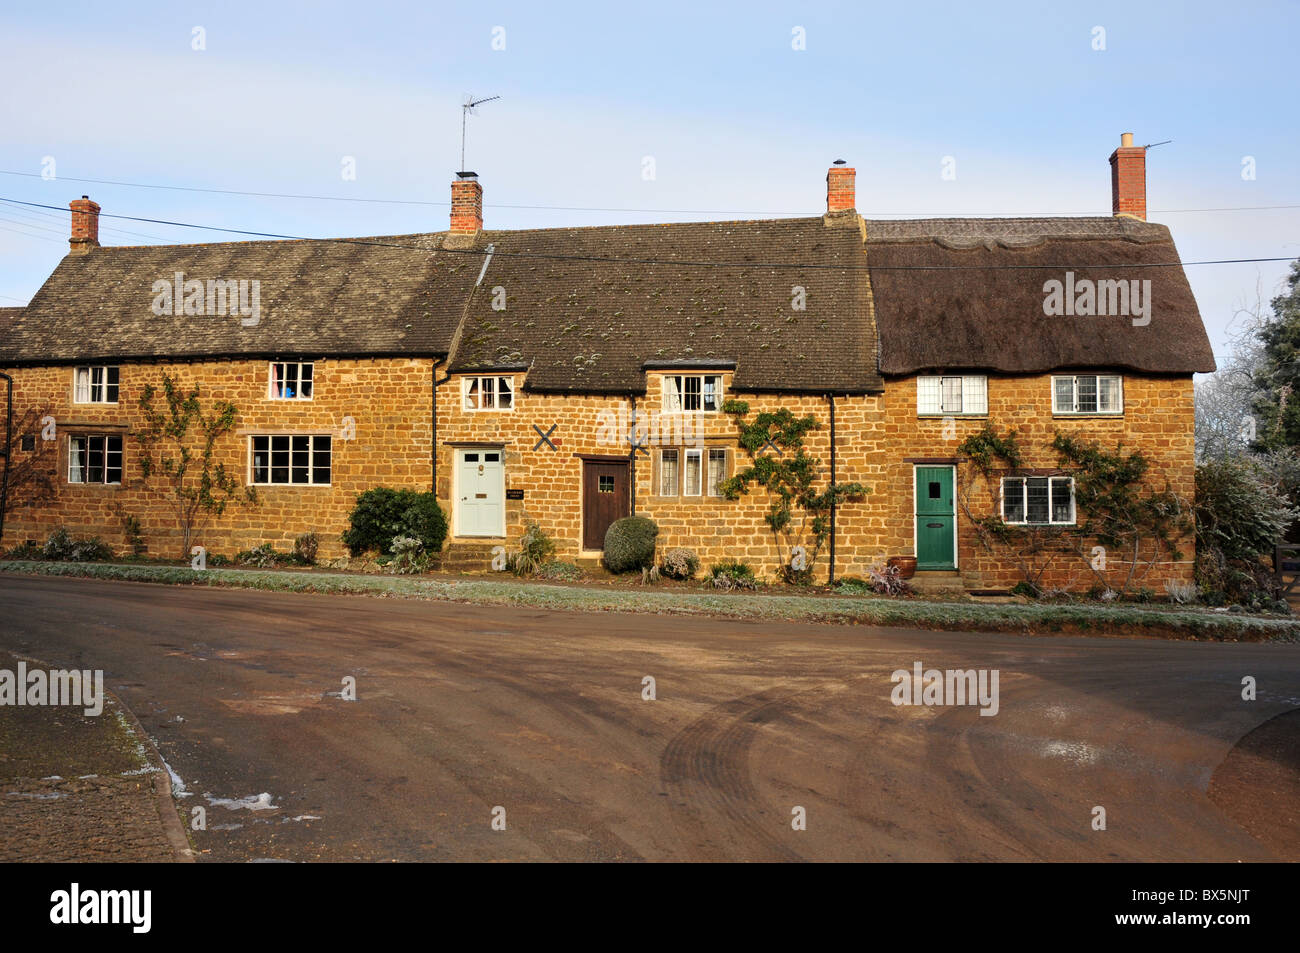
(906, 565)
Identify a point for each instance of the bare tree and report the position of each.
(1225, 425)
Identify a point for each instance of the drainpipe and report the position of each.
(632, 454)
(830, 581)
(434, 390)
(9, 451)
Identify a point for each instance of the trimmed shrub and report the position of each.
(630, 544)
(732, 574)
(680, 563)
(383, 514)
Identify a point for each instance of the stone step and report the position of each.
(937, 581)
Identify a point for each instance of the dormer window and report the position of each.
(690, 393)
(488, 393)
(291, 380)
(95, 385)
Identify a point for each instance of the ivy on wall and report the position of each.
(798, 509)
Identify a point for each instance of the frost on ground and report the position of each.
(254, 802)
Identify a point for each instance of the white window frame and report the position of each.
(1073, 409)
(271, 379)
(104, 468)
(966, 390)
(709, 488)
(676, 468)
(686, 456)
(87, 395)
(1024, 501)
(675, 393)
(501, 384)
(251, 473)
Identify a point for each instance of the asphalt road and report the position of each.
(464, 709)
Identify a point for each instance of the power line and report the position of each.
(44, 217)
(680, 262)
(587, 208)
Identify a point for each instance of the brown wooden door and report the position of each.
(605, 498)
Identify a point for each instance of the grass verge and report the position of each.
(1126, 620)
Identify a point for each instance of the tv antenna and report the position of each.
(468, 109)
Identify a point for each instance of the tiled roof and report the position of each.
(390, 295)
(584, 324)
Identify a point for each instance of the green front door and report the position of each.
(934, 518)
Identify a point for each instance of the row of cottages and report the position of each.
(573, 376)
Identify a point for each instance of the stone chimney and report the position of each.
(466, 204)
(1128, 179)
(839, 187)
(85, 226)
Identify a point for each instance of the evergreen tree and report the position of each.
(1277, 380)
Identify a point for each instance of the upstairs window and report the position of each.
(291, 380)
(488, 393)
(1088, 394)
(95, 385)
(1043, 501)
(688, 393)
(95, 458)
(968, 394)
(295, 459)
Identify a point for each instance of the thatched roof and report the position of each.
(969, 294)
(584, 325)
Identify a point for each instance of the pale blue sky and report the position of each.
(739, 123)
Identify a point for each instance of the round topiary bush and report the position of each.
(630, 544)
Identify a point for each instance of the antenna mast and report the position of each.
(467, 109)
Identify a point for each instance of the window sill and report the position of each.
(921, 416)
(1104, 416)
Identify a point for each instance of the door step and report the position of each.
(468, 557)
(937, 581)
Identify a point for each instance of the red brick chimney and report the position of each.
(85, 226)
(839, 187)
(466, 204)
(1128, 179)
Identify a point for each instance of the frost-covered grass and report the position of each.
(1165, 621)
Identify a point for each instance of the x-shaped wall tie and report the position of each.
(546, 437)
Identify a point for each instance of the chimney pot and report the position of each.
(840, 194)
(1128, 179)
(466, 204)
(85, 226)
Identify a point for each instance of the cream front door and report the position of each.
(480, 491)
